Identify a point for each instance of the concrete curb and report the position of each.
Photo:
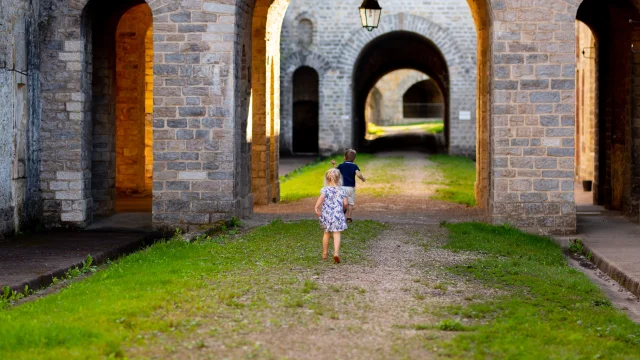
(608, 267)
(605, 265)
(46, 279)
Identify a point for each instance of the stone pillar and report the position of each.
(65, 141)
(261, 131)
(533, 123)
(194, 129)
(265, 86)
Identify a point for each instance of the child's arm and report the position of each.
(318, 204)
(359, 174)
(333, 162)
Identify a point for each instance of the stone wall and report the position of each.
(329, 38)
(199, 93)
(204, 64)
(533, 123)
(20, 107)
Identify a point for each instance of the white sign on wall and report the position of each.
(465, 115)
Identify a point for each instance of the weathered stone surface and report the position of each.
(217, 102)
(330, 38)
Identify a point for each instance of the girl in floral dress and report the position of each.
(333, 201)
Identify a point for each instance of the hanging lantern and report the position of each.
(370, 14)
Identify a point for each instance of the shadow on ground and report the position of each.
(424, 143)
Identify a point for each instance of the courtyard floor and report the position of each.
(408, 287)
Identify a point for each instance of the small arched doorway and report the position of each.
(119, 85)
(305, 111)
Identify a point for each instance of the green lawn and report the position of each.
(458, 177)
(307, 181)
(169, 287)
(552, 311)
(430, 127)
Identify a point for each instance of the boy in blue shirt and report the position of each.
(349, 171)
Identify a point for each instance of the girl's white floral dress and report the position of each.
(332, 218)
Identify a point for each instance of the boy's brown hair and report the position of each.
(350, 155)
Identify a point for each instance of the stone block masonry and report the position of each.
(20, 107)
(532, 143)
(194, 134)
(329, 38)
(213, 60)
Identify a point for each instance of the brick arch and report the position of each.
(460, 65)
(293, 63)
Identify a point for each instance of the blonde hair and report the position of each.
(333, 178)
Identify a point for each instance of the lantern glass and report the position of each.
(370, 14)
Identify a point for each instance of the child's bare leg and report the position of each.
(325, 244)
(336, 244)
(349, 211)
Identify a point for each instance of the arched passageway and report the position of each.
(119, 87)
(393, 51)
(305, 111)
(607, 103)
(404, 105)
(423, 100)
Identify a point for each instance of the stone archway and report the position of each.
(389, 52)
(426, 91)
(385, 98)
(213, 80)
(79, 98)
(294, 62)
(196, 180)
(462, 94)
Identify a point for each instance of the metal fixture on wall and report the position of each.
(370, 12)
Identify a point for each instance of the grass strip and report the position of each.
(165, 289)
(307, 181)
(552, 311)
(428, 127)
(458, 177)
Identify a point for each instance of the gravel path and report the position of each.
(409, 202)
(393, 294)
(386, 307)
